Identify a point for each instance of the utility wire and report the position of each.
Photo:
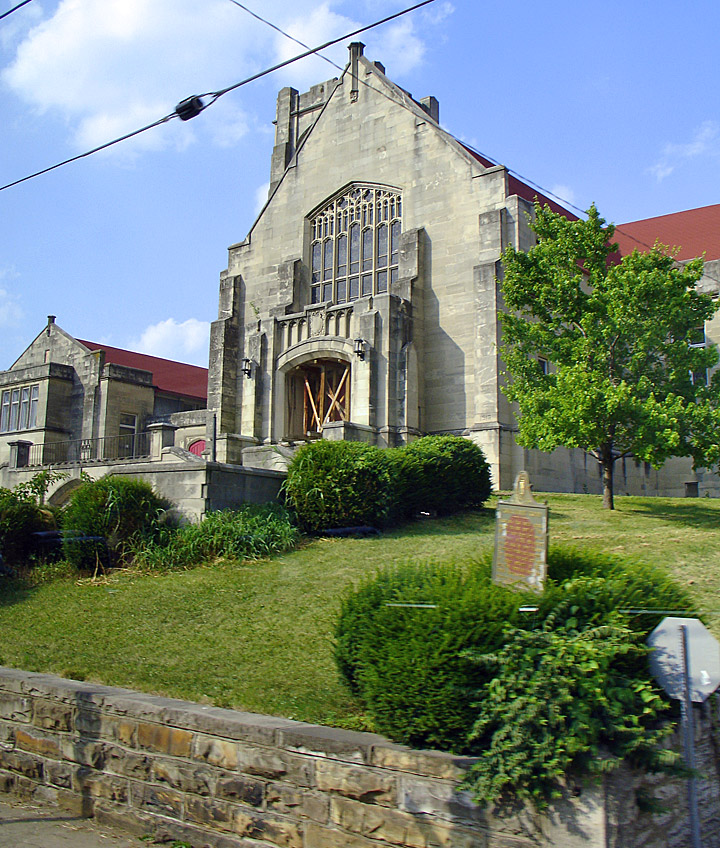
(215, 95)
(90, 152)
(192, 106)
(14, 9)
(282, 32)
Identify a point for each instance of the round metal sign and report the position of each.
(667, 663)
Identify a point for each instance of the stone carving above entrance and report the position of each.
(317, 322)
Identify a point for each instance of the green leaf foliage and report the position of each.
(20, 517)
(415, 667)
(563, 702)
(407, 663)
(619, 339)
(439, 475)
(338, 484)
(119, 510)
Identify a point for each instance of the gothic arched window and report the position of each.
(355, 244)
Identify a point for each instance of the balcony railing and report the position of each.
(84, 451)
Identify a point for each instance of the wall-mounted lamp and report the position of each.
(360, 348)
(246, 367)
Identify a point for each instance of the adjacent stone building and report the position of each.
(364, 302)
(65, 400)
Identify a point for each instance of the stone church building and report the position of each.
(363, 304)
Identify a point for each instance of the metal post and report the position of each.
(689, 742)
(214, 437)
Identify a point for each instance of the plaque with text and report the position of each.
(521, 539)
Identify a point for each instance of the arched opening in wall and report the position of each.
(318, 393)
(197, 447)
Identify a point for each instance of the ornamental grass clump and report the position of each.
(247, 533)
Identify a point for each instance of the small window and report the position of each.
(128, 424)
(699, 378)
(127, 433)
(544, 365)
(5, 413)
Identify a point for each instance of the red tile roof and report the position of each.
(694, 232)
(169, 376)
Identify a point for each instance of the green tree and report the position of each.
(625, 377)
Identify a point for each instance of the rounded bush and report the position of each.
(406, 662)
(338, 484)
(413, 667)
(115, 512)
(20, 517)
(439, 475)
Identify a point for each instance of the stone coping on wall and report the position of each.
(220, 778)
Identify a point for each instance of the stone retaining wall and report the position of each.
(223, 779)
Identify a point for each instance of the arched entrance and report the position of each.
(318, 393)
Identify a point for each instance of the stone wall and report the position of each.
(222, 779)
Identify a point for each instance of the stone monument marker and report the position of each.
(521, 539)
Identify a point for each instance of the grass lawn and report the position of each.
(258, 636)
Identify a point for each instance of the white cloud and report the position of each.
(12, 29)
(261, 197)
(705, 142)
(313, 28)
(108, 67)
(401, 46)
(11, 313)
(186, 341)
(111, 66)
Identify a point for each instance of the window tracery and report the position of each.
(355, 245)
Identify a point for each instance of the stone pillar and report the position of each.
(162, 435)
(19, 453)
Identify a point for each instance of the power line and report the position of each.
(90, 152)
(14, 9)
(531, 183)
(192, 106)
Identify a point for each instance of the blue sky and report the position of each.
(613, 103)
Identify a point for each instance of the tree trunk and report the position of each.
(607, 462)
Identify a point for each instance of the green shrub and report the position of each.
(20, 517)
(564, 702)
(439, 475)
(407, 663)
(410, 666)
(119, 510)
(338, 484)
(250, 532)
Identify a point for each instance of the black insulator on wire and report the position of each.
(189, 108)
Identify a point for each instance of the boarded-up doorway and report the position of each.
(318, 393)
